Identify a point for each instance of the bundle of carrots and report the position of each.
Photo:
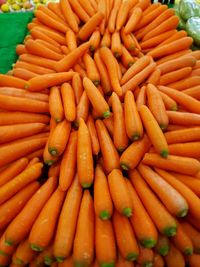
(107, 94)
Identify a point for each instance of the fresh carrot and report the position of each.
(102, 199)
(23, 254)
(80, 70)
(133, 20)
(120, 193)
(88, 7)
(126, 58)
(21, 225)
(175, 75)
(69, 60)
(128, 41)
(79, 10)
(125, 237)
(95, 40)
(48, 80)
(162, 246)
(59, 138)
(175, 55)
(23, 73)
(183, 135)
(68, 163)
(68, 99)
(141, 97)
(108, 150)
(121, 262)
(83, 250)
(130, 110)
(13, 170)
(82, 109)
(54, 170)
(169, 103)
(66, 263)
(190, 149)
(193, 234)
(67, 222)
(113, 16)
(158, 261)
(52, 14)
(44, 226)
(185, 191)
(91, 69)
(183, 118)
(77, 86)
(154, 132)
(116, 46)
(194, 260)
(36, 60)
(50, 46)
(106, 39)
(154, 78)
(38, 153)
(5, 250)
(174, 257)
(143, 226)
(184, 100)
(55, 7)
(69, 15)
(84, 156)
(104, 234)
(20, 181)
(32, 67)
(145, 257)
(10, 81)
(102, 7)
(20, 49)
(164, 191)
(177, 35)
(55, 104)
(185, 83)
(14, 205)
(4, 260)
(93, 135)
(165, 223)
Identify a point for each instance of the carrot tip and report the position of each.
(36, 247)
(164, 153)
(3, 253)
(49, 162)
(18, 262)
(170, 231)
(116, 54)
(148, 243)
(110, 264)
(48, 260)
(104, 215)
(53, 151)
(124, 166)
(9, 243)
(96, 82)
(131, 256)
(188, 251)
(86, 185)
(106, 114)
(60, 259)
(182, 213)
(163, 251)
(163, 127)
(135, 137)
(127, 212)
(120, 149)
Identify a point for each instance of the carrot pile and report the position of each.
(107, 94)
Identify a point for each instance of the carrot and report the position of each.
(55, 8)
(143, 4)
(177, 35)
(133, 20)
(169, 103)
(184, 100)
(36, 60)
(116, 46)
(165, 223)
(176, 75)
(52, 14)
(43, 228)
(69, 60)
(14, 205)
(21, 225)
(174, 257)
(59, 138)
(183, 135)
(190, 149)
(185, 83)
(20, 49)
(9, 81)
(88, 7)
(143, 226)
(183, 118)
(104, 234)
(111, 66)
(50, 46)
(54, 170)
(125, 237)
(82, 108)
(175, 46)
(93, 135)
(32, 67)
(55, 104)
(158, 261)
(190, 197)
(4, 260)
(84, 156)
(150, 8)
(83, 250)
(121, 262)
(91, 69)
(108, 150)
(80, 70)
(5, 250)
(66, 263)
(138, 78)
(45, 257)
(113, 15)
(66, 227)
(153, 131)
(105, 80)
(102, 199)
(193, 234)
(79, 11)
(95, 40)
(13, 170)
(20, 181)
(145, 257)
(128, 41)
(164, 191)
(71, 40)
(77, 86)
(141, 97)
(120, 193)
(162, 246)
(23, 73)
(154, 78)
(106, 39)
(68, 163)
(194, 260)
(126, 58)
(173, 56)
(68, 99)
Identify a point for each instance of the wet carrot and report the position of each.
(10, 81)
(67, 222)
(68, 163)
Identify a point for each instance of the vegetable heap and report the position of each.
(106, 94)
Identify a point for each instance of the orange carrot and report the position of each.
(93, 135)
(153, 131)
(54, 170)
(59, 138)
(165, 223)
(177, 35)
(162, 246)
(116, 46)
(55, 7)
(169, 103)
(32, 67)
(36, 33)
(111, 66)
(106, 39)
(88, 7)
(174, 257)
(158, 261)
(23, 73)
(13, 170)
(23, 254)
(102, 199)
(121, 262)
(68, 99)
(21, 225)
(185, 83)
(68, 163)
(91, 69)
(141, 97)
(104, 234)
(113, 15)
(43, 228)
(48, 80)
(183, 135)
(183, 118)
(83, 250)
(126, 58)
(38, 61)
(194, 260)
(67, 222)
(69, 60)
(77, 86)
(190, 149)
(143, 226)
(193, 234)
(84, 156)
(52, 14)
(20, 49)
(50, 46)
(95, 40)
(128, 41)
(164, 191)
(55, 104)
(174, 76)
(125, 237)
(14, 205)
(134, 128)
(108, 150)
(82, 108)
(79, 10)
(120, 193)
(9, 81)
(133, 20)
(5, 250)
(53, 34)
(145, 257)
(154, 78)
(173, 56)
